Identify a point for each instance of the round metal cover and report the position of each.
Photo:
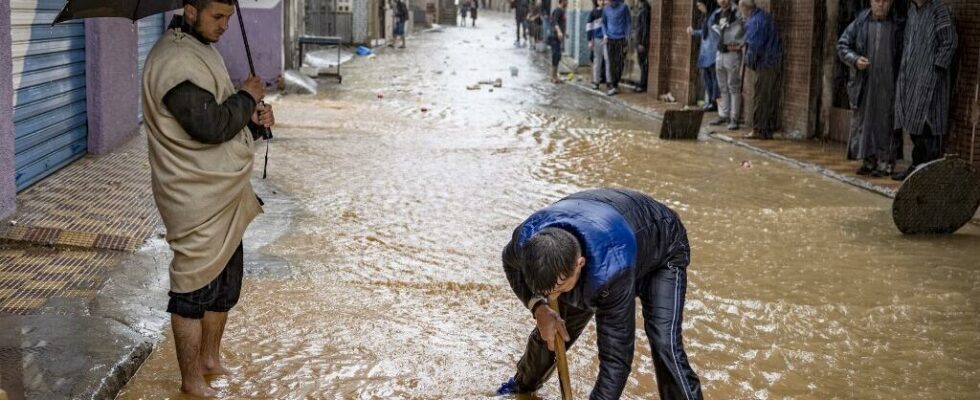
(938, 198)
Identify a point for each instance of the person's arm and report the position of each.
(514, 269)
(616, 327)
(206, 121)
(845, 46)
(753, 42)
(643, 31)
(605, 21)
(946, 38)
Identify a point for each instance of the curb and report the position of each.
(650, 113)
(725, 138)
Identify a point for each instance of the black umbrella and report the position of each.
(132, 9)
(136, 9)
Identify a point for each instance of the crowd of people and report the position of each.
(899, 76)
(899, 65)
(735, 36)
(899, 82)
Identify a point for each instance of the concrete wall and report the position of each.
(360, 20)
(112, 87)
(263, 24)
(294, 13)
(8, 187)
(577, 39)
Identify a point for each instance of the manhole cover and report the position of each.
(938, 198)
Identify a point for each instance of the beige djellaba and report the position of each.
(203, 191)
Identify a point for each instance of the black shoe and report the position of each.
(710, 108)
(720, 121)
(595, 86)
(900, 176)
(865, 170)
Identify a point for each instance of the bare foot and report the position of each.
(201, 390)
(214, 369)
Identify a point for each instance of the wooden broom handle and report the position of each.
(561, 358)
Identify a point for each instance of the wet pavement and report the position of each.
(402, 186)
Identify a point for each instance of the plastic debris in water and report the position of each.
(424, 109)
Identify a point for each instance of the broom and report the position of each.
(561, 359)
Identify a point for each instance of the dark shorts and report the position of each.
(399, 28)
(555, 50)
(218, 296)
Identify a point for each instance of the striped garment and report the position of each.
(923, 92)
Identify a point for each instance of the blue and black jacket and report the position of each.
(624, 235)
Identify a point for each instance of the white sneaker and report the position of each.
(612, 92)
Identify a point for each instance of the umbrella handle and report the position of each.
(266, 133)
(561, 359)
(248, 49)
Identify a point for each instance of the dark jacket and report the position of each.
(401, 11)
(520, 9)
(626, 234)
(594, 30)
(641, 31)
(853, 44)
(763, 47)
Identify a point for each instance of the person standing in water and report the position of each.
(200, 131)
(597, 251)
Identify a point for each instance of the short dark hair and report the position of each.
(549, 256)
(202, 4)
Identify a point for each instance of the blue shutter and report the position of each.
(50, 125)
(150, 30)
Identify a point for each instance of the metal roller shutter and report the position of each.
(150, 29)
(50, 124)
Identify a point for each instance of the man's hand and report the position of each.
(549, 322)
(690, 31)
(591, 45)
(640, 48)
(862, 63)
(263, 115)
(254, 86)
(561, 36)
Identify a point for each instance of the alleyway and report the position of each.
(408, 185)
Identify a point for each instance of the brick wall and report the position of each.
(801, 24)
(963, 114)
(682, 71)
(658, 82)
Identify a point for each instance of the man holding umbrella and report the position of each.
(200, 133)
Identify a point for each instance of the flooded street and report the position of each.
(800, 286)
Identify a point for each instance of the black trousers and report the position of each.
(926, 147)
(765, 117)
(643, 58)
(521, 27)
(661, 292)
(616, 51)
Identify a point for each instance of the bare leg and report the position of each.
(213, 328)
(187, 337)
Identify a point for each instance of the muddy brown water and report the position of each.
(800, 286)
